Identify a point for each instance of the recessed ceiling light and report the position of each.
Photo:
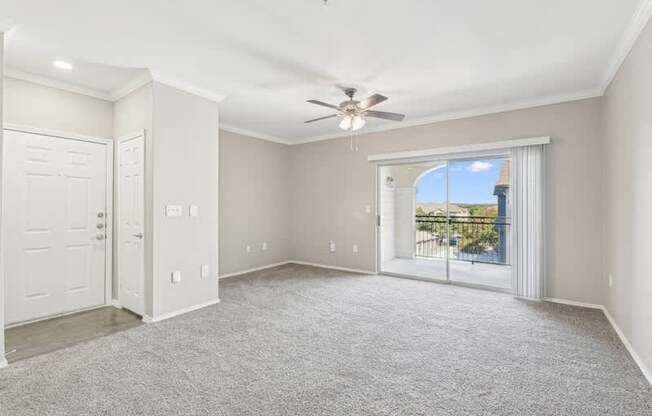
(62, 65)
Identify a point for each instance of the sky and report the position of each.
(471, 182)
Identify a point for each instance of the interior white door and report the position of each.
(55, 225)
(131, 217)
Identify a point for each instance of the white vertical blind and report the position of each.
(528, 218)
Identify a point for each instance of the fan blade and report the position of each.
(371, 101)
(321, 118)
(323, 104)
(385, 115)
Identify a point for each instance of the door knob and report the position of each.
(139, 235)
(100, 237)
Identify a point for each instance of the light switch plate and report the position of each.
(173, 210)
(367, 209)
(264, 246)
(205, 270)
(194, 210)
(176, 276)
(331, 246)
(248, 249)
(355, 248)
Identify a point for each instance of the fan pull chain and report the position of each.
(353, 144)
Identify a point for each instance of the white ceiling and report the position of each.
(435, 59)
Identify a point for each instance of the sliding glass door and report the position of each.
(447, 220)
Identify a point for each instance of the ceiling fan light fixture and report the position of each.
(352, 123)
(346, 123)
(354, 113)
(357, 123)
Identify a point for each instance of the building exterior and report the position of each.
(433, 208)
(501, 190)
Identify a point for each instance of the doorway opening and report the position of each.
(448, 220)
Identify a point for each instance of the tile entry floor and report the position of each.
(42, 337)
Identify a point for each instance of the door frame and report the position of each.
(448, 158)
(136, 134)
(108, 258)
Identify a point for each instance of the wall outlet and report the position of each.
(331, 246)
(264, 246)
(611, 281)
(176, 276)
(248, 248)
(204, 271)
(355, 248)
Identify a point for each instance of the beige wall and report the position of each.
(254, 198)
(330, 186)
(49, 108)
(627, 198)
(185, 171)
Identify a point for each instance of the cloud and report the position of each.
(479, 166)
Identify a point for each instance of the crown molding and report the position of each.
(482, 111)
(53, 83)
(254, 134)
(634, 29)
(131, 86)
(115, 95)
(467, 148)
(187, 87)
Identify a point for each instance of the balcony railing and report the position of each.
(468, 238)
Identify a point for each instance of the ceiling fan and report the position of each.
(354, 112)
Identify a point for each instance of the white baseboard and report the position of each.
(151, 319)
(646, 371)
(574, 303)
(303, 263)
(3, 362)
(637, 359)
(255, 269)
(326, 266)
(116, 303)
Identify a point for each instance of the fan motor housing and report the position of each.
(349, 106)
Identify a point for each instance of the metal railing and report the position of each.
(468, 238)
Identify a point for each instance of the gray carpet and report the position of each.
(304, 341)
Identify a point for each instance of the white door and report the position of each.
(131, 224)
(55, 225)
